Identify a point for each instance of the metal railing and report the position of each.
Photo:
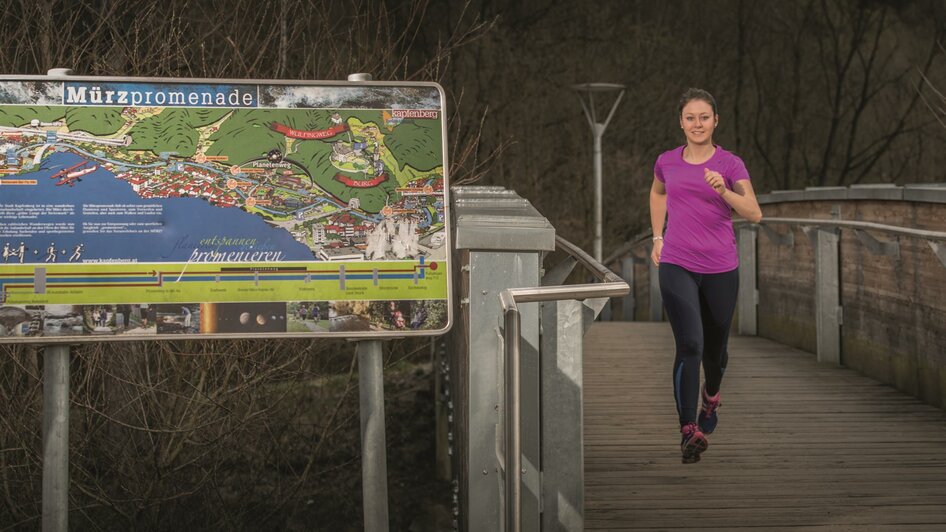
(611, 285)
(825, 239)
(932, 237)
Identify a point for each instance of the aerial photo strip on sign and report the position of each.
(135, 208)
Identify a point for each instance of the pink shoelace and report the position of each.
(710, 404)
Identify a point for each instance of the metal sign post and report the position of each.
(56, 425)
(597, 130)
(56, 438)
(374, 465)
(374, 468)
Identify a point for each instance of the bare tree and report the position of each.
(828, 99)
(933, 98)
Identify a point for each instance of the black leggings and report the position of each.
(700, 308)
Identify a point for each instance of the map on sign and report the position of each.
(154, 208)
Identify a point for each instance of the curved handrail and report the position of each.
(939, 236)
(612, 285)
(936, 240)
(628, 246)
(853, 224)
(597, 268)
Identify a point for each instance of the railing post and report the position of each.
(827, 296)
(748, 293)
(500, 239)
(656, 300)
(56, 438)
(562, 448)
(512, 453)
(627, 273)
(374, 468)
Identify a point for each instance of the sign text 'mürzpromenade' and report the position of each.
(163, 95)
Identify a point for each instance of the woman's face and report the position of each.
(698, 122)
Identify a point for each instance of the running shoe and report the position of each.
(708, 416)
(692, 443)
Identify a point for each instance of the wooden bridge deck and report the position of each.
(800, 446)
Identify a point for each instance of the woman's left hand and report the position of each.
(715, 180)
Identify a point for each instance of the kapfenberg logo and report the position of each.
(159, 95)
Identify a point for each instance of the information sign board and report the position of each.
(155, 208)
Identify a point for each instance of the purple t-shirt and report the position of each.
(699, 233)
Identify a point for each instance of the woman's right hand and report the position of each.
(655, 253)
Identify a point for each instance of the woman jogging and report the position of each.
(696, 187)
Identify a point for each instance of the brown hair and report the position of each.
(696, 94)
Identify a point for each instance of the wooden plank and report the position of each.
(800, 446)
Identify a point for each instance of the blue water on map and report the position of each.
(185, 221)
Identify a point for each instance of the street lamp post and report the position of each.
(597, 130)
